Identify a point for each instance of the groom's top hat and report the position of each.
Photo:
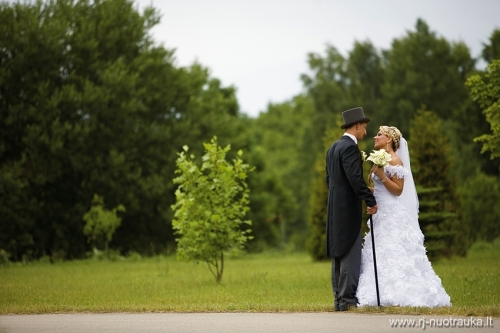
(353, 116)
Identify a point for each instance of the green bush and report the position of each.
(4, 257)
(479, 210)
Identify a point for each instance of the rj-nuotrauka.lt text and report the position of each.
(423, 323)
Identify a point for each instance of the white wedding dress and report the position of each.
(405, 274)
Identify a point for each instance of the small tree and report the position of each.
(487, 93)
(101, 222)
(211, 203)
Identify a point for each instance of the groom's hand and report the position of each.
(371, 210)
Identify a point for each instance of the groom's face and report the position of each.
(360, 131)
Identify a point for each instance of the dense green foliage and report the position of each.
(480, 195)
(492, 51)
(211, 203)
(282, 137)
(94, 106)
(316, 243)
(424, 69)
(487, 93)
(89, 103)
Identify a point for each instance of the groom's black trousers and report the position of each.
(345, 276)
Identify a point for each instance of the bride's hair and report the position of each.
(393, 133)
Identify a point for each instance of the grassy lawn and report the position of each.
(270, 282)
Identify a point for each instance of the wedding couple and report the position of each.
(405, 275)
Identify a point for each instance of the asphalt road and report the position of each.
(237, 323)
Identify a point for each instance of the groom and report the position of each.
(346, 190)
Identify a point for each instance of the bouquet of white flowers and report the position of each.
(380, 158)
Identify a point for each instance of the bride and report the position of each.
(405, 275)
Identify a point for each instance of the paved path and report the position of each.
(232, 322)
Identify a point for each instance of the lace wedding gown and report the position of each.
(405, 275)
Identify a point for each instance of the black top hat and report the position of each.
(353, 116)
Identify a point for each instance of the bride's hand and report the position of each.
(379, 172)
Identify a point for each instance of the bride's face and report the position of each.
(380, 141)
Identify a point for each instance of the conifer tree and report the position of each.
(431, 163)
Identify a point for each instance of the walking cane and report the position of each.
(374, 261)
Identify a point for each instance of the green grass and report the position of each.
(271, 282)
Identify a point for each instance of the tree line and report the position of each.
(91, 105)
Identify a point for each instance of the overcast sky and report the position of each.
(261, 46)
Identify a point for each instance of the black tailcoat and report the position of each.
(346, 189)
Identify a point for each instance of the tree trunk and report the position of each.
(106, 250)
(282, 229)
(221, 269)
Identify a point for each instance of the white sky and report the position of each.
(261, 46)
